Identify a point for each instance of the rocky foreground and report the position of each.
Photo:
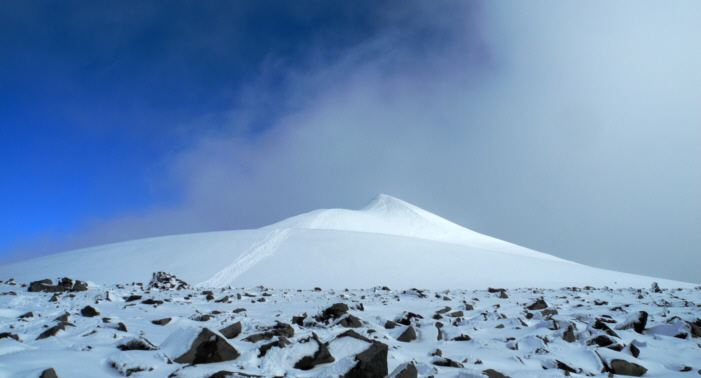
(165, 328)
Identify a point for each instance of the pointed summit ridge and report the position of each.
(391, 216)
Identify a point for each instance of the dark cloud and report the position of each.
(572, 129)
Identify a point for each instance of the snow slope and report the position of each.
(388, 242)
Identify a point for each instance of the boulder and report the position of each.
(88, 312)
(163, 321)
(569, 334)
(321, 356)
(48, 373)
(231, 330)
(491, 373)
(350, 321)
(447, 362)
(408, 335)
(539, 304)
(10, 335)
(371, 362)
(602, 326)
(405, 370)
(637, 322)
(281, 342)
(61, 326)
(65, 284)
(335, 311)
(406, 318)
(166, 281)
(208, 347)
(623, 367)
(139, 343)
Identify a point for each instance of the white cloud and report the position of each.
(571, 128)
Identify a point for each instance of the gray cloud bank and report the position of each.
(569, 128)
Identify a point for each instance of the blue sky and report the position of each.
(569, 128)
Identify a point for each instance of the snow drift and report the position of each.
(388, 242)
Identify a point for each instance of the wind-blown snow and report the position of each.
(388, 242)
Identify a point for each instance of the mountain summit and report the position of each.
(387, 242)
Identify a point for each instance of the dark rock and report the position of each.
(390, 324)
(259, 337)
(355, 335)
(239, 310)
(163, 321)
(334, 312)
(48, 373)
(299, 320)
(415, 292)
(209, 297)
(493, 290)
(548, 312)
(444, 310)
(231, 330)
(407, 317)
(447, 362)
(539, 304)
(350, 321)
(569, 335)
(10, 335)
(279, 329)
(694, 328)
(54, 298)
(405, 370)
(64, 284)
(137, 344)
(563, 366)
(233, 374)
(201, 317)
(462, 337)
(225, 299)
(321, 356)
(166, 281)
(80, 286)
(62, 318)
(121, 327)
(27, 315)
(503, 295)
(52, 331)
(408, 335)
(632, 350)
(283, 329)
(152, 301)
(456, 314)
(491, 373)
(89, 312)
(281, 342)
(601, 340)
(38, 286)
(132, 298)
(600, 325)
(437, 353)
(655, 288)
(623, 367)
(371, 362)
(637, 323)
(208, 347)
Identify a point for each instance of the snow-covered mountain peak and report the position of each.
(387, 242)
(384, 215)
